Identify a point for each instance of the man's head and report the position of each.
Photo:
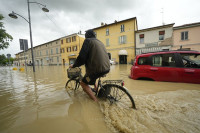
(90, 34)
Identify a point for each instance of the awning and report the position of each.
(72, 55)
(122, 52)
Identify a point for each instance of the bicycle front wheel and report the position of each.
(72, 85)
(119, 95)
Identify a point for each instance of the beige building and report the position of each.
(70, 47)
(119, 39)
(48, 53)
(19, 59)
(187, 37)
(44, 54)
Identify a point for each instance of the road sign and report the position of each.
(8, 56)
(23, 44)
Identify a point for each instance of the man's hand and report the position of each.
(71, 66)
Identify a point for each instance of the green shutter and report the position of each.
(125, 38)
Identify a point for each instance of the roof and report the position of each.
(154, 28)
(46, 43)
(187, 26)
(74, 34)
(105, 25)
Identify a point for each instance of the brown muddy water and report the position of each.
(39, 103)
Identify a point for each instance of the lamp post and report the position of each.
(14, 15)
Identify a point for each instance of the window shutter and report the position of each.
(125, 38)
(119, 40)
(182, 35)
(186, 35)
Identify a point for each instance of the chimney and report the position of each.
(102, 24)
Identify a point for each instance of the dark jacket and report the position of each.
(93, 54)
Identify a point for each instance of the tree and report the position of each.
(5, 38)
(2, 59)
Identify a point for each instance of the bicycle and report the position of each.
(113, 90)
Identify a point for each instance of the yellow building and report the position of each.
(119, 39)
(70, 47)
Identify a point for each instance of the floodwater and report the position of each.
(39, 103)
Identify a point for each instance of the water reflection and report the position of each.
(38, 102)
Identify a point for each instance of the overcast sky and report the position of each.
(70, 16)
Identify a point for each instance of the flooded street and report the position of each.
(39, 103)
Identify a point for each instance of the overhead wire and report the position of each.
(63, 34)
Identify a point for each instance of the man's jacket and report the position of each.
(94, 55)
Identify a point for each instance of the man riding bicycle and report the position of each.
(94, 56)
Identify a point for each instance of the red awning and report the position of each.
(161, 32)
(141, 35)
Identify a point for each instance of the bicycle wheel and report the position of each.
(72, 85)
(119, 95)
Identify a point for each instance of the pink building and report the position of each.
(187, 37)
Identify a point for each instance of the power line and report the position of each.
(63, 34)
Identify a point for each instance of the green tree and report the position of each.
(2, 59)
(5, 38)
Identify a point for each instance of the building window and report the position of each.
(74, 48)
(51, 51)
(69, 49)
(184, 35)
(57, 59)
(68, 40)
(122, 39)
(46, 52)
(73, 38)
(40, 53)
(141, 38)
(56, 50)
(122, 28)
(107, 42)
(107, 32)
(62, 50)
(61, 41)
(161, 35)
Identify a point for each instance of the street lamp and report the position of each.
(14, 15)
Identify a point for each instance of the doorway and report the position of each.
(122, 59)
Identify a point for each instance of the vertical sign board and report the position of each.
(23, 44)
(8, 56)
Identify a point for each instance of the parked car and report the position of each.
(112, 62)
(171, 66)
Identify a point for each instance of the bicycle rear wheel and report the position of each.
(119, 95)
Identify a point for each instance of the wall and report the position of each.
(114, 34)
(193, 41)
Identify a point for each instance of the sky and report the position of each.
(67, 17)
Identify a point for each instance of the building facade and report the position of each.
(119, 39)
(70, 47)
(48, 53)
(44, 54)
(187, 37)
(154, 39)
